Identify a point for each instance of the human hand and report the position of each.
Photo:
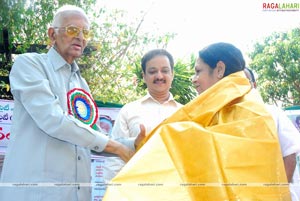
(124, 152)
(141, 136)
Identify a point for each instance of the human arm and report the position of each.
(140, 137)
(289, 165)
(126, 127)
(40, 94)
(133, 142)
(119, 149)
(289, 139)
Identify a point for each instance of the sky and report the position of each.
(200, 23)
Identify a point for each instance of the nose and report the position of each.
(194, 79)
(80, 34)
(159, 74)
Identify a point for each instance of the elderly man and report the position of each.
(54, 125)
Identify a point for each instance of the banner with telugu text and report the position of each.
(6, 112)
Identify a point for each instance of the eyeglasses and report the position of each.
(74, 31)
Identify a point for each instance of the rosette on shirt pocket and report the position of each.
(83, 107)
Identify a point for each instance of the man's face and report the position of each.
(158, 75)
(69, 47)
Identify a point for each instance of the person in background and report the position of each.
(288, 135)
(220, 146)
(155, 106)
(144, 114)
(54, 125)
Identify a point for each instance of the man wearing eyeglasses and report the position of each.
(54, 122)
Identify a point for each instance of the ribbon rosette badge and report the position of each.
(82, 106)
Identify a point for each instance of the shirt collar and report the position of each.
(58, 61)
(149, 97)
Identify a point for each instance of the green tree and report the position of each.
(119, 45)
(276, 61)
(109, 62)
(27, 22)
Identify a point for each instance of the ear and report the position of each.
(52, 35)
(220, 69)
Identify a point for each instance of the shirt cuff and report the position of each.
(99, 143)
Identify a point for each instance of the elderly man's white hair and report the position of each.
(65, 10)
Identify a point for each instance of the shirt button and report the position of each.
(96, 147)
(79, 157)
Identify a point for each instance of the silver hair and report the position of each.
(67, 10)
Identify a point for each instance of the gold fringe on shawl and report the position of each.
(221, 146)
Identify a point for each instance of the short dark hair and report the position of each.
(231, 56)
(156, 52)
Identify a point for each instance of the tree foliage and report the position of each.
(276, 61)
(111, 60)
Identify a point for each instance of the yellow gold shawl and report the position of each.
(221, 146)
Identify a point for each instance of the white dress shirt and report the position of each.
(289, 139)
(145, 110)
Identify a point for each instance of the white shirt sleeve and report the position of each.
(289, 137)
